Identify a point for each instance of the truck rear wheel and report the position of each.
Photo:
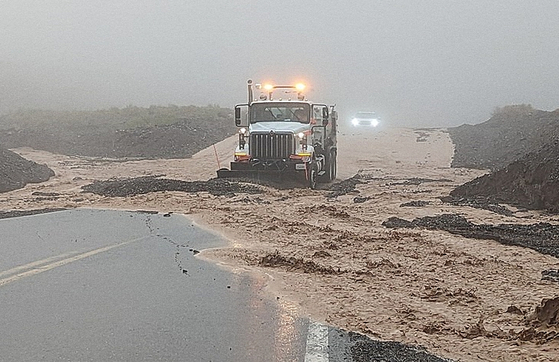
(333, 166)
(329, 168)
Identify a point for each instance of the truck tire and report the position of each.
(333, 166)
(311, 176)
(329, 168)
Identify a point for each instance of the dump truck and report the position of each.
(283, 136)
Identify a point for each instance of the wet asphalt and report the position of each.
(106, 285)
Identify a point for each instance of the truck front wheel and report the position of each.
(311, 176)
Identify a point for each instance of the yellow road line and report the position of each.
(35, 263)
(44, 265)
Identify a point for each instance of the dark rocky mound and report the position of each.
(345, 187)
(511, 133)
(16, 171)
(143, 185)
(542, 237)
(532, 182)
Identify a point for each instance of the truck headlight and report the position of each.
(302, 140)
(242, 137)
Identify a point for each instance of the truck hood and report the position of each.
(279, 127)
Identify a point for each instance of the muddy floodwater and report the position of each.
(465, 281)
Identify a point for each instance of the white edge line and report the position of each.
(317, 343)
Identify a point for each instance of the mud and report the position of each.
(418, 203)
(479, 202)
(344, 187)
(297, 264)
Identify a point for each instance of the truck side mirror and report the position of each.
(325, 116)
(240, 121)
(237, 116)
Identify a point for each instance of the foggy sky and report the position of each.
(417, 63)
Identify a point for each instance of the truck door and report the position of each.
(319, 121)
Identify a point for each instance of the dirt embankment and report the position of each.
(520, 145)
(510, 134)
(131, 132)
(530, 182)
(170, 141)
(16, 171)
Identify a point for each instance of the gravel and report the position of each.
(142, 185)
(542, 237)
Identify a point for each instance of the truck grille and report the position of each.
(271, 146)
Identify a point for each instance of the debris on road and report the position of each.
(542, 237)
(143, 185)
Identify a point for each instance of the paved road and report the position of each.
(101, 285)
(94, 285)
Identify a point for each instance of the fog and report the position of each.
(417, 63)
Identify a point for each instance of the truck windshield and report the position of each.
(280, 112)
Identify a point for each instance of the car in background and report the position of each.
(366, 119)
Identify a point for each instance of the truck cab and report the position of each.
(282, 133)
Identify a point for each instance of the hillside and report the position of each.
(154, 132)
(512, 132)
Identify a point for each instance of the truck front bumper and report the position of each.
(252, 169)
